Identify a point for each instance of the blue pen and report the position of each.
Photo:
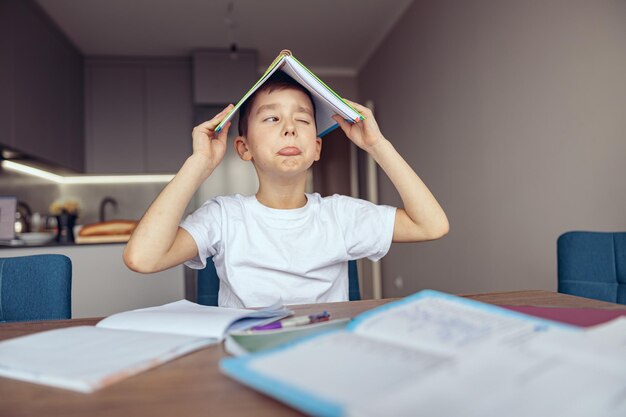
(295, 321)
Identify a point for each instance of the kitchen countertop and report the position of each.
(57, 245)
(102, 284)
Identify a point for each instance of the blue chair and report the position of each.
(37, 287)
(593, 265)
(208, 284)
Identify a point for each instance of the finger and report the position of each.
(223, 135)
(221, 114)
(211, 124)
(354, 104)
(361, 108)
(345, 126)
(225, 111)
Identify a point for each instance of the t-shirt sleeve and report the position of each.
(205, 227)
(367, 227)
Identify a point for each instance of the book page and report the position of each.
(344, 367)
(611, 333)
(301, 74)
(602, 346)
(326, 103)
(86, 358)
(186, 318)
(448, 325)
(505, 381)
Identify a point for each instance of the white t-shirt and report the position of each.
(297, 256)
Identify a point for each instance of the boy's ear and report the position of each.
(241, 147)
(318, 148)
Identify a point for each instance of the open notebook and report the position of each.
(327, 102)
(434, 354)
(86, 358)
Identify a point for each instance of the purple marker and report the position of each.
(295, 321)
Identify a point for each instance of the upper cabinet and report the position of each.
(104, 115)
(41, 87)
(138, 115)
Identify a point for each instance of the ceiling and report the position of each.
(335, 37)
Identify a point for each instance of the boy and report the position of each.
(280, 244)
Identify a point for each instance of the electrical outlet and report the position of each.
(398, 282)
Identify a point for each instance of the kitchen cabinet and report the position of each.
(114, 118)
(169, 117)
(138, 115)
(41, 80)
(102, 284)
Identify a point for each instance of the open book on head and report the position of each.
(434, 354)
(327, 102)
(86, 358)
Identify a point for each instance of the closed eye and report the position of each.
(303, 121)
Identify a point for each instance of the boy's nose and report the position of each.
(290, 129)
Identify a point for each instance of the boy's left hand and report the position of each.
(365, 133)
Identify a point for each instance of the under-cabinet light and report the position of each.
(85, 179)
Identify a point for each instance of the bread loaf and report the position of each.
(112, 227)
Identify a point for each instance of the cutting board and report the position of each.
(101, 239)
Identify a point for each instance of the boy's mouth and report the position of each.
(289, 151)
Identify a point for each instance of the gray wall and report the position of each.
(344, 85)
(514, 114)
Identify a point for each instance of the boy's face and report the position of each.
(282, 138)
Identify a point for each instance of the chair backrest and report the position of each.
(593, 265)
(37, 287)
(354, 292)
(208, 284)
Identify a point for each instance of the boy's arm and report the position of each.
(158, 243)
(422, 218)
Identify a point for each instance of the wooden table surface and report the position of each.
(192, 385)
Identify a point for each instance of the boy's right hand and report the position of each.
(209, 145)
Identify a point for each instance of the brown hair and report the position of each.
(277, 81)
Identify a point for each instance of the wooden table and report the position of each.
(192, 385)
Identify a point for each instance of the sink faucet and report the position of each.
(103, 204)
